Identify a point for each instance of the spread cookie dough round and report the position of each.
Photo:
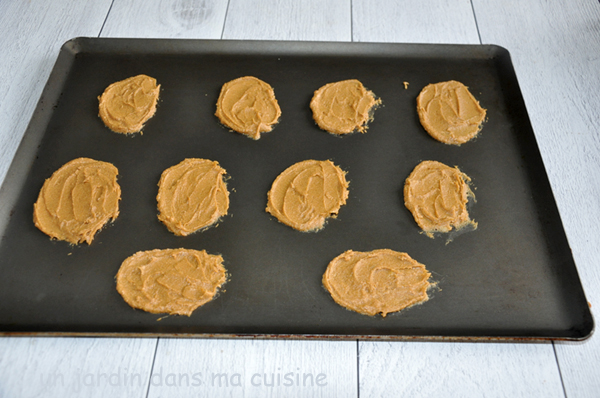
(192, 195)
(77, 200)
(376, 282)
(307, 193)
(173, 281)
(248, 105)
(449, 112)
(343, 107)
(126, 105)
(437, 197)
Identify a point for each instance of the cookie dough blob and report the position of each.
(192, 195)
(449, 112)
(126, 105)
(307, 193)
(77, 200)
(343, 107)
(248, 105)
(437, 197)
(173, 281)
(376, 282)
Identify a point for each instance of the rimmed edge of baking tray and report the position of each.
(309, 337)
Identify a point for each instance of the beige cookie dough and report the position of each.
(192, 195)
(437, 197)
(248, 105)
(343, 107)
(376, 282)
(126, 105)
(172, 281)
(307, 193)
(78, 200)
(449, 112)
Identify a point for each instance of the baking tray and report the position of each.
(513, 278)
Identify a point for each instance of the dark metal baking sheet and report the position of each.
(514, 277)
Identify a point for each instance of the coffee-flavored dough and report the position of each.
(192, 195)
(127, 104)
(376, 282)
(248, 105)
(173, 281)
(437, 197)
(343, 107)
(307, 193)
(449, 112)
(78, 200)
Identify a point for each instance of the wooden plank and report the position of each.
(254, 368)
(78, 367)
(458, 370)
(182, 19)
(434, 369)
(308, 20)
(555, 47)
(578, 363)
(424, 21)
(32, 34)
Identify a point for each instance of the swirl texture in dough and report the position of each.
(78, 200)
(449, 112)
(127, 104)
(173, 281)
(192, 195)
(248, 105)
(376, 282)
(343, 107)
(307, 193)
(437, 197)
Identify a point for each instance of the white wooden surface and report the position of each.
(555, 48)
(254, 368)
(180, 19)
(424, 21)
(77, 367)
(321, 20)
(447, 370)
